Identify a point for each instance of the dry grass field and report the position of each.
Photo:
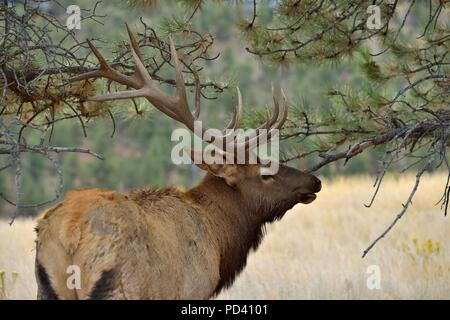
(315, 251)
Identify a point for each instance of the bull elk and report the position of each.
(164, 243)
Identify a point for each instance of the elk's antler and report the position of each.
(177, 106)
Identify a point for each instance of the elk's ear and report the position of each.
(229, 172)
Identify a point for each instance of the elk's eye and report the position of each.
(267, 177)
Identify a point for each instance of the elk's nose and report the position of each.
(317, 184)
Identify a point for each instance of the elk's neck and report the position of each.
(237, 226)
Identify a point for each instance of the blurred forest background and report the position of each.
(138, 153)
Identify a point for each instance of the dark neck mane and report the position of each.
(239, 229)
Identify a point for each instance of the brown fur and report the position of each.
(163, 243)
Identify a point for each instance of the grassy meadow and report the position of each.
(315, 251)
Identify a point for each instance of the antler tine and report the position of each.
(232, 122)
(253, 141)
(134, 43)
(93, 74)
(106, 71)
(196, 112)
(109, 73)
(274, 124)
(141, 72)
(103, 63)
(235, 122)
(284, 114)
(240, 110)
(283, 118)
(181, 90)
(276, 110)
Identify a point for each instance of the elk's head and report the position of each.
(269, 194)
(277, 192)
(264, 189)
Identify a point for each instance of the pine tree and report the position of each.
(399, 108)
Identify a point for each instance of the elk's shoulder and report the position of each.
(150, 195)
